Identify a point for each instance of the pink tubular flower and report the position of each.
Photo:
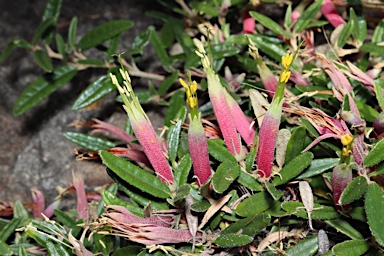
(38, 207)
(249, 23)
(100, 126)
(330, 13)
(217, 95)
(143, 129)
(341, 177)
(82, 203)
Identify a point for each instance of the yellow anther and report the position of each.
(285, 76)
(190, 91)
(346, 152)
(346, 139)
(287, 60)
(193, 87)
(184, 84)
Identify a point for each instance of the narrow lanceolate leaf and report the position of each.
(103, 33)
(319, 166)
(95, 91)
(43, 86)
(295, 144)
(376, 155)
(354, 190)
(374, 208)
(56, 249)
(269, 23)
(135, 176)
(225, 174)
(41, 29)
(159, 49)
(344, 227)
(379, 94)
(12, 45)
(307, 16)
(219, 152)
(72, 33)
(9, 228)
(293, 168)
(306, 247)
(353, 247)
(5, 248)
(43, 60)
(182, 170)
(173, 140)
(373, 49)
(88, 141)
(232, 240)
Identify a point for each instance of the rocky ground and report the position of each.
(33, 151)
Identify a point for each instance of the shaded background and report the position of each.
(33, 151)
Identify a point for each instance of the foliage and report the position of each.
(299, 176)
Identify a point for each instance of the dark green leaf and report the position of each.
(173, 140)
(159, 49)
(307, 16)
(9, 228)
(373, 49)
(167, 83)
(379, 94)
(182, 170)
(103, 243)
(88, 141)
(319, 166)
(135, 176)
(374, 208)
(358, 213)
(5, 249)
(249, 182)
(295, 143)
(345, 34)
(219, 151)
(110, 199)
(176, 102)
(367, 112)
(42, 87)
(378, 34)
(61, 47)
(72, 33)
(20, 211)
(43, 60)
(376, 155)
(309, 127)
(348, 248)
(306, 247)
(225, 174)
(232, 240)
(206, 7)
(12, 45)
(270, 48)
(52, 10)
(293, 168)
(320, 212)
(92, 62)
(68, 221)
(41, 29)
(288, 17)
(269, 23)
(255, 204)
(249, 226)
(354, 190)
(201, 206)
(103, 33)
(95, 91)
(48, 227)
(56, 249)
(113, 45)
(132, 250)
(344, 227)
(138, 44)
(275, 193)
(251, 156)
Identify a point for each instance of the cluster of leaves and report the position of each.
(292, 213)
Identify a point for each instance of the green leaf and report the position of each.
(373, 49)
(306, 247)
(249, 226)
(112, 47)
(167, 83)
(56, 249)
(92, 62)
(288, 17)
(217, 149)
(182, 171)
(72, 33)
(309, 127)
(176, 102)
(103, 33)
(251, 156)
(367, 112)
(159, 49)
(68, 222)
(132, 250)
(9, 228)
(135, 176)
(95, 91)
(345, 34)
(110, 199)
(5, 249)
(43, 60)
(232, 240)
(138, 44)
(255, 204)
(295, 143)
(350, 248)
(206, 7)
(344, 227)
(20, 211)
(319, 166)
(307, 16)
(12, 45)
(61, 47)
(269, 23)
(354, 190)
(173, 140)
(225, 175)
(201, 206)
(275, 193)
(43, 86)
(267, 46)
(378, 34)
(52, 10)
(44, 26)
(358, 213)
(379, 94)
(88, 141)
(249, 182)
(293, 168)
(374, 208)
(376, 155)
(320, 212)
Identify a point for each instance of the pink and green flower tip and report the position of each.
(197, 140)
(143, 129)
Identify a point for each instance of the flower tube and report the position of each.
(143, 129)
(197, 141)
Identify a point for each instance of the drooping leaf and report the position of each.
(374, 208)
(354, 190)
(348, 248)
(103, 33)
(376, 155)
(43, 86)
(95, 91)
(135, 176)
(255, 204)
(89, 141)
(224, 175)
(43, 60)
(232, 240)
